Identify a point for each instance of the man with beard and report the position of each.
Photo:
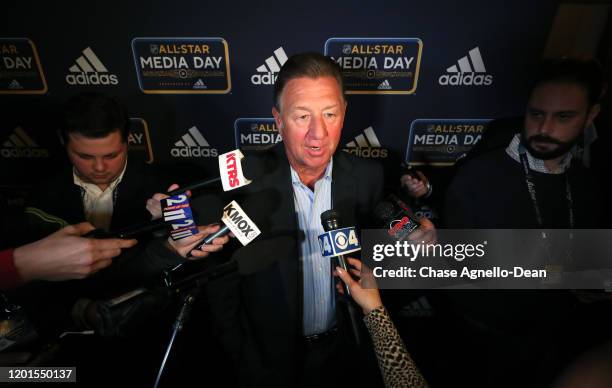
(521, 337)
(533, 182)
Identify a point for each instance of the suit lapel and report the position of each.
(283, 222)
(343, 189)
(283, 219)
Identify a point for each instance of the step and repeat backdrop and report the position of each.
(423, 79)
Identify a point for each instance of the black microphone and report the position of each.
(208, 240)
(330, 219)
(124, 314)
(234, 220)
(230, 175)
(396, 217)
(194, 186)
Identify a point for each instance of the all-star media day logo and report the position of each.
(256, 133)
(139, 139)
(88, 69)
(377, 65)
(366, 145)
(470, 70)
(182, 65)
(192, 144)
(19, 144)
(20, 69)
(267, 72)
(440, 142)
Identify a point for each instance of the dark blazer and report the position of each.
(258, 314)
(59, 196)
(50, 302)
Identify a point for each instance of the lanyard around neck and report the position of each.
(532, 192)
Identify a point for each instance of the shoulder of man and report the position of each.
(52, 191)
(492, 163)
(257, 163)
(359, 165)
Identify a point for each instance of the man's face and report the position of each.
(97, 161)
(310, 122)
(557, 114)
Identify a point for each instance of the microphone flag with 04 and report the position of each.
(339, 242)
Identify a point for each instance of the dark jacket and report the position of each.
(258, 314)
(59, 196)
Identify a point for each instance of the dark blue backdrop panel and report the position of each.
(498, 41)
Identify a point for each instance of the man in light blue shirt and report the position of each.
(319, 304)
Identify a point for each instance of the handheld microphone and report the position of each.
(396, 217)
(236, 221)
(231, 177)
(335, 243)
(230, 174)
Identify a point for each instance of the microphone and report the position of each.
(236, 221)
(230, 174)
(124, 314)
(231, 177)
(396, 217)
(335, 243)
(338, 243)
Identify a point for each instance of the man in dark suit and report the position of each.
(101, 185)
(277, 319)
(105, 187)
(280, 324)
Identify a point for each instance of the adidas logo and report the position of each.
(193, 145)
(15, 85)
(199, 84)
(466, 74)
(384, 85)
(20, 145)
(89, 70)
(366, 145)
(268, 71)
(419, 308)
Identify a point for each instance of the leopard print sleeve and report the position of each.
(395, 364)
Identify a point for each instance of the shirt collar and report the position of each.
(515, 149)
(92, 187)
(327, 175)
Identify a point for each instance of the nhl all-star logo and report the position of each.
(89, 70)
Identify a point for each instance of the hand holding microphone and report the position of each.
(176, 212)
(191, 248)
(336, 242)
(395, 216)
(367, 298)
(426, 233)
(154, 203)
(230, 175)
